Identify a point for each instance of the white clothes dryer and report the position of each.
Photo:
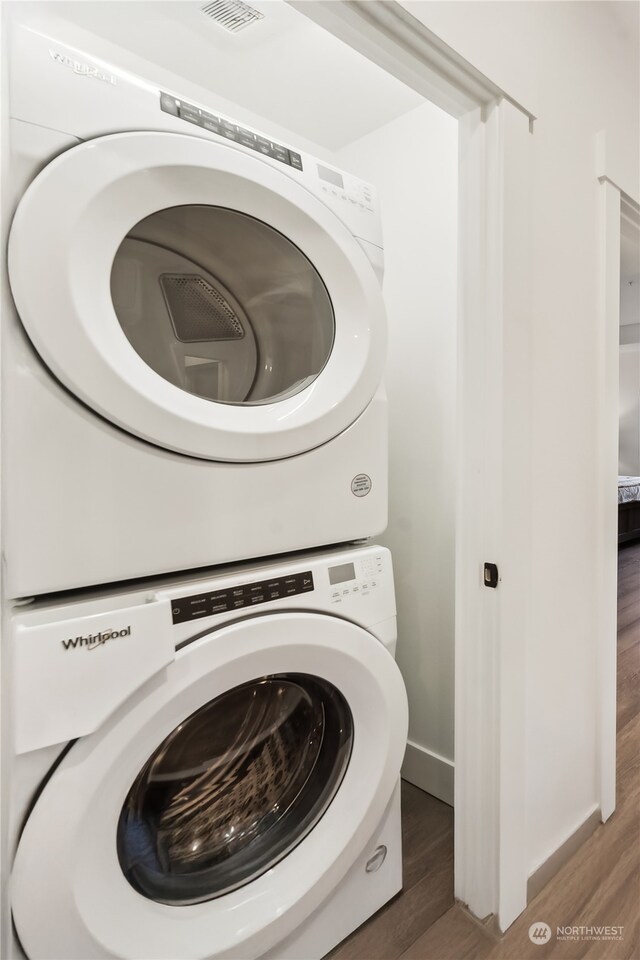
(207, 768)
(193, 369)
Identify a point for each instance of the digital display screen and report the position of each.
(331, 176)
(346, 571)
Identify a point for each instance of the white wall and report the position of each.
(629, 459)
(629, 449)
(414, 163)
(630, 301)
(575, 65)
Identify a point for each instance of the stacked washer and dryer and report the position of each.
(192, 366)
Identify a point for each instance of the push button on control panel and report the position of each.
(239, 597)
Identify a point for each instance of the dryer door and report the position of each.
(218, 808)
(197, 297)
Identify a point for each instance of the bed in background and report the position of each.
(628, 508)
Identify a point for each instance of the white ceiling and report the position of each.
(284, 67)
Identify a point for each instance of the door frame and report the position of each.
(492, 517)
(615, 208)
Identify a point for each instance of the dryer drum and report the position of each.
(198, 311)
(222, 305)
(234, 788)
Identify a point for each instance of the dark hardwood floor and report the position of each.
(599, 885)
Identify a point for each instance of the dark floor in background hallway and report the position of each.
(599, 885)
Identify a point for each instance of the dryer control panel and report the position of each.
(330, 183)
(229, 130)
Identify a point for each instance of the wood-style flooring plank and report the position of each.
(426, 823)
(628, 637)
(428, 882)
(629, 614)
(455, 936)
(628, 762)
(628, 687)
(394, 928)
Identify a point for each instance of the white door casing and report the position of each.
(618, 213)
(65, 235)
(67, 883)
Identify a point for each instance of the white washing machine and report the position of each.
(192, 371)
(207, 768)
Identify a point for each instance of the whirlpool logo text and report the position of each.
(83, 69)
(94, 640)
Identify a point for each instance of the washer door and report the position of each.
(197, 297)
(211, 817)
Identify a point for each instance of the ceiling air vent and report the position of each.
(233, 15)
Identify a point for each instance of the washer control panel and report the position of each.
(355, 578)
(238, 597)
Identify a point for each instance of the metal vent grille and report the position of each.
(233, 15)
(198, 311)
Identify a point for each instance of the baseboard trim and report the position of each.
(429, 771)
(548, 869)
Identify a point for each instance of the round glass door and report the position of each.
(222, 305)
(234, 788)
